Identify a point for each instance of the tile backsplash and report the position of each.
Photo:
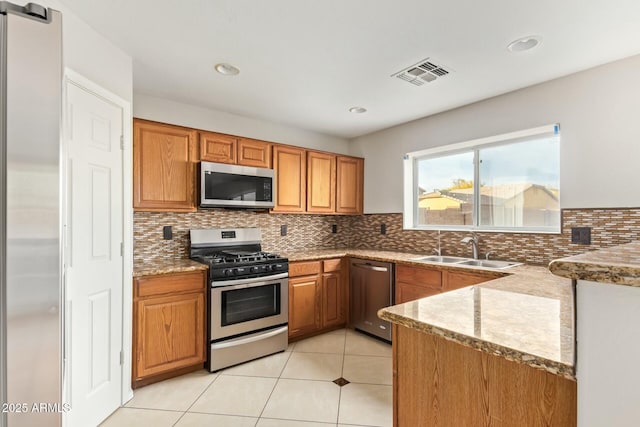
(303, 231)
(609, 227)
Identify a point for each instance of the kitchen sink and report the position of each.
(486, 263)
(489, 263)
(442, 259)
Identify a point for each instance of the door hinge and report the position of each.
(122, 142)
(121, 357)
(121, 248)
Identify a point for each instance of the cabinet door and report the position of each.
(170, 333)
(304, 305)
(460, 279)
(252, 152)
(289, 164)
(409, 292)
(321, 182)
(164, 172)
(217, 147)
(332, 299)
(349, 185)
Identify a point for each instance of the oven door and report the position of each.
(247, 307)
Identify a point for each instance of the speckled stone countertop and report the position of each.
(525, 316)
(165, 267)
(618, 264)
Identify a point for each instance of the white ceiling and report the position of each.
(305, 62)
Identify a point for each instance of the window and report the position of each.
(504, 183)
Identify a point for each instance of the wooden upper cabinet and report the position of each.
(164, 169)
(252, 152)
(290, 164)
(349, 185)
(217, 147)
(321, 182)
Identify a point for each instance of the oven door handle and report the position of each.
(254, 338)
(242, 282)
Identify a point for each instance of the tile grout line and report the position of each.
(275, 385)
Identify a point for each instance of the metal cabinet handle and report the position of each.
(371, 267)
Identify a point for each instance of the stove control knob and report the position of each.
(254, 269)
(276, 267)
(238, 271)
(227, 272)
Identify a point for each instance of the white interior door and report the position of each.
(94, 258)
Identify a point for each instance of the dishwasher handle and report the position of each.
(370, 267)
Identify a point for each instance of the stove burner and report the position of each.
(236, 259)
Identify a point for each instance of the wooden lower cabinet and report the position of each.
(168, 325)
(442, 383)
(317, 297)
(333, 289)
(413, 282)
(304, 305)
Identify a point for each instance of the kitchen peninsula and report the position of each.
(607, 319)
(500, 353)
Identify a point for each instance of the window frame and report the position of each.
(410, 184)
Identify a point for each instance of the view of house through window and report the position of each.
(511, 182)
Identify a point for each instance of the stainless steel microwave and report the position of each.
(231, 186)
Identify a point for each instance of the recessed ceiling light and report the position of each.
(227, 69)
(524, 43)
(357, 110)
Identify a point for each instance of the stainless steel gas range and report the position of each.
(248, 298)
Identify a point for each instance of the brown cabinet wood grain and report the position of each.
(218, 147)
(416, 282)
(333, 299)
(317, 297)
(461, 279)
(164, 167)
(252, 152)
(349, 185)
(168, 326)
(442, 383)
(321, 182)
(304, 304)
(413, 282)
(290, 167)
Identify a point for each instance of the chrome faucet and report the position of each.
(438, 250)
(474, 243)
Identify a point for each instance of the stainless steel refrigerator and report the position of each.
(31, 216)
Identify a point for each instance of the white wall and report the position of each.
(90, 54)
(163, 110)
(598, 111)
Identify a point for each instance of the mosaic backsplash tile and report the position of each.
(303, 231)
(609, 227)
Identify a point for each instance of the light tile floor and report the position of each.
(290, 389)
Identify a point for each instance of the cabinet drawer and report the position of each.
(304, 268)
(332, 265)
(169, 283)
(419, 276)
(459, 279)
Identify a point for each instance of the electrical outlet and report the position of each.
(167, 232)
(581, 235)
(283, 230)
(334, 228)
(383, 228)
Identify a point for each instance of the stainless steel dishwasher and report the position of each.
(371, 288)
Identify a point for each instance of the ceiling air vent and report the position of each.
(423, 72)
